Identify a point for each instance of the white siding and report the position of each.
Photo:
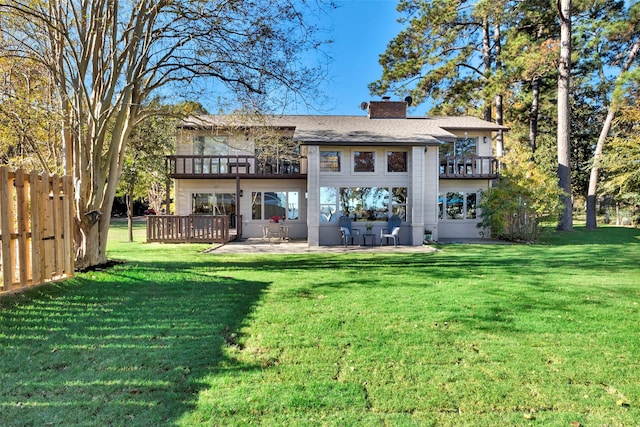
(461, 228)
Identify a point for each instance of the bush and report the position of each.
(522, 199)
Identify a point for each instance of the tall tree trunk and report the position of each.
(129, 198)
(486, 59)
(595, 170)
(498, 99)
(499, 120)
(564, 116)
(606, 127)
(533, 114)
(91, 242)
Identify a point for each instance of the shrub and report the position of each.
(523, 197)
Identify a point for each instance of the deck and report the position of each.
(208, 167)
(235, 166)
(469, 167)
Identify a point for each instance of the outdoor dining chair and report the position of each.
(346, 232)
(273, 230)
(392, 231)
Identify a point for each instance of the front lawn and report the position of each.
(470, 335)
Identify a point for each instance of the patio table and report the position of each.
(370, 235)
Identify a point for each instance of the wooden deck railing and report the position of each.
(232, 166)
(192, 228)
(469, 167)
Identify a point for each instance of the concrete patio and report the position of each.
(263, 246)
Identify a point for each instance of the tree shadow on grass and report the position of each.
(530, 264)
(127, 346)
(520, 278)
(133, 345)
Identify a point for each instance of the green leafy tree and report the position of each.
(618, 44)
(29, 121)
(446, 53)
(524, 197)
(458, 55)
(108, 58)
(622, 159)
(530, 57)
(144, 174)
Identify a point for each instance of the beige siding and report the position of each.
(184, 188)
(414, 180)
(431, 173)
(461, 228)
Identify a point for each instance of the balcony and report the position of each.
(469, 167)
(235, 166)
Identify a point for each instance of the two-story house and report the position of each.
(310, 170)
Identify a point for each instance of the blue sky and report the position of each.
(361, 30)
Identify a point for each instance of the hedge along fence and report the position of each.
(36, 217)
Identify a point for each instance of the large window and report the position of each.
(330, 161)
(399, 202)
(362, 203)
(457, 205)
(293, 205)
(277, 155)
(471, 205)
(214, 203)
(364, 161)
(256, 205)
(271, 204)
(328, 204)
(396, 161)
(462, 147)
(365, 203)
(211, 146)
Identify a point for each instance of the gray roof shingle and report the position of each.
(341, 130)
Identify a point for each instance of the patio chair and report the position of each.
(273, 230)
(346, 232)
(392, 231)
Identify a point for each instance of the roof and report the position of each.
(465, 123)
(351, 130)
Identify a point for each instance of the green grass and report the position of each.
(471, 335)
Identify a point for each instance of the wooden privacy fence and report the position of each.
(189, 229)
(36, 217)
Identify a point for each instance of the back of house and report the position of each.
(309, 170)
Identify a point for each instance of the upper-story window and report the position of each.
(329, 161)
(462, 147)
(396, 161)
(211, 146)
(277, 154)
(364, 161)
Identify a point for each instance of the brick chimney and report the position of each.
(387, 109)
